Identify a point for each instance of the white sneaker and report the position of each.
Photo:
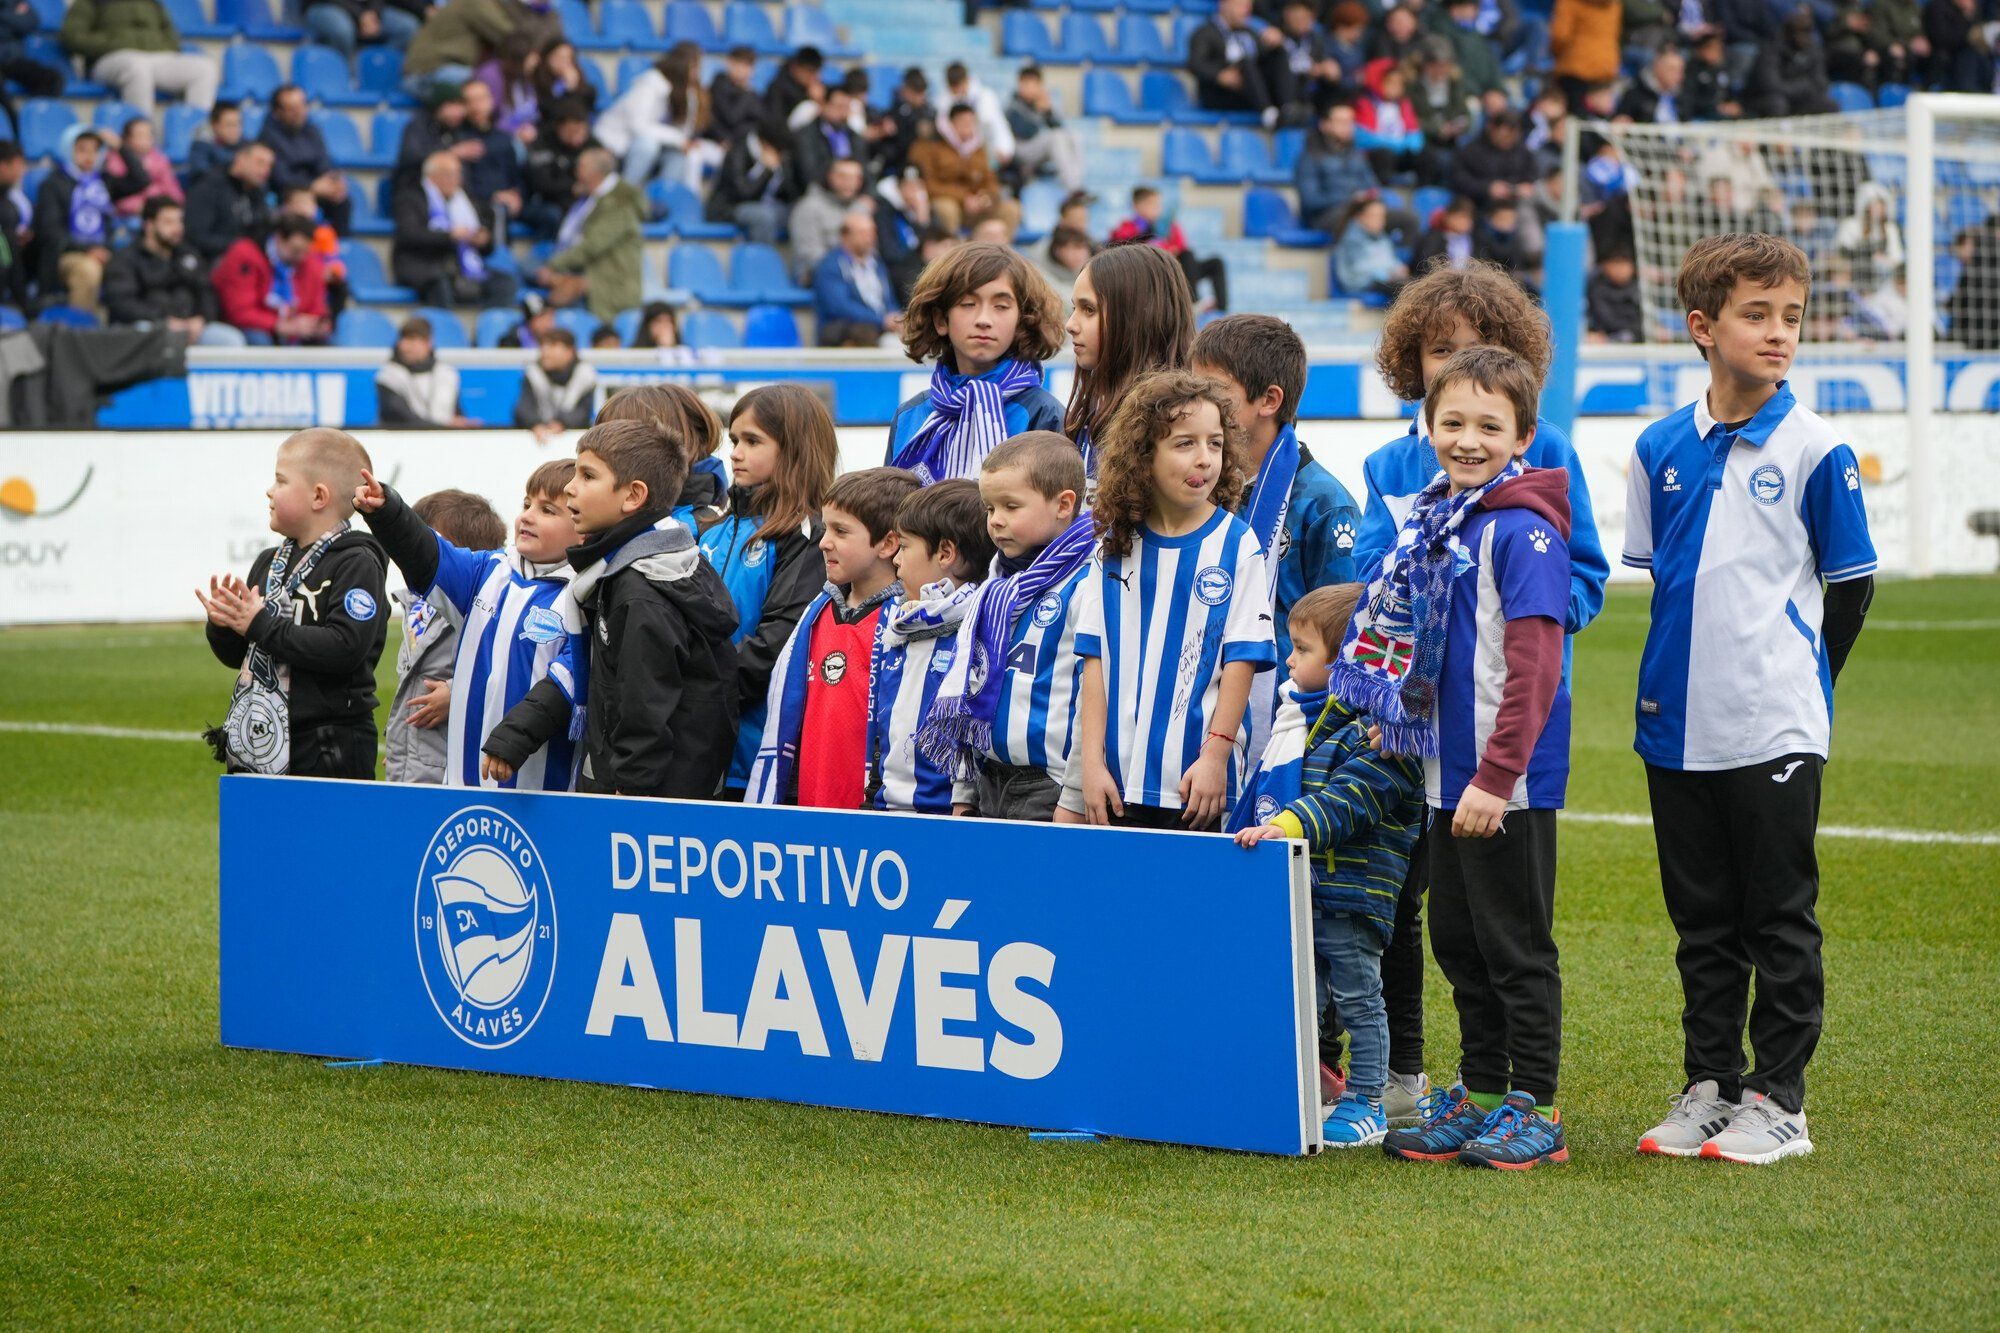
(1761, 1132)
(1400, 1096)
(1699, 1114)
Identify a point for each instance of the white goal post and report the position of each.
(1898, 211)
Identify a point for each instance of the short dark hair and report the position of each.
(639, 451)
(1256, 351)
(1496, 370)
(560, 336)
(1141, 193)
(949, 511)
(567, 108)
(291, 227)
(915, 80)
(221, 109)
(1052, 462)
(955, 72)
(1030, 72)
(548, 481)
(463, 519)
(744, 54)
(808, 57)
(961, 109)
(280, 91)
(1327, 609)
(416, 326)
(1066, 235)
(155, 206)
(873, 495)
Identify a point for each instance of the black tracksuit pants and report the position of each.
(1741, 878)
(1492, 917)
(334, 750)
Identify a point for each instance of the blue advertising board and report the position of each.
(1139, 984)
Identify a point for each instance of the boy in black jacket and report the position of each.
(307, 628)
(660, 699)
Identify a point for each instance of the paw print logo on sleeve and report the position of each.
(1853, 478)
(1343, 536)
(1540, 540)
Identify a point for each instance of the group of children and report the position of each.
(1153, 609)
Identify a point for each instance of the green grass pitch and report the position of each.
(148, 1176)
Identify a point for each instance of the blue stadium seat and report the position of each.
(769, 326)
(385, 135)
(1269, 213)
(706, 330)
(366, 282)
(694, 268)
(1287, 146)
(759, 274)
(179, 123)
(1083, 42)
(43, 121)
(626, 326)
(1149, 6)
(627, 25)
(115, 116)
(11, 319)
(253, 120)
(50, 12)
(1041, 200)
(1140, 41)
(248, 74)
(252, 18)
(493, 325)
(689, 21)
(808, 25)
(746, 23)
(1165, 99)
(69, 315)
(683, 208)
(581, 28)
(1851, 97)
(580, 322)
(1105, 93)
(379, 70)
(366, 219)
(1183, 152)
(190, 21)
(593, 74)
(1427, 200)
(343, 141)
(447, 329)
(1246, 156)
(1184, 27)
(1024, 34)
(1892, 95)
(630, 68)
(1098, 6)
(358, 326)
(322, 72)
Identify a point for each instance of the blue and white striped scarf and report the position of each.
(1269, 501)
(89, 208)
(1394, 651)
(1303, 716)
(960, 727)
(773, 772)
(968, 420)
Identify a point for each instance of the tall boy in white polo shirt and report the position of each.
(1747, 509)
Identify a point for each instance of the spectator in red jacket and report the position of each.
(1148, 213)
(275, 291)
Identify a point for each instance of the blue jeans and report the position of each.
(1347, 952)
(330, 25)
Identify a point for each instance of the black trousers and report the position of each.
(334, 750)
(1211, 268)
(1156, 817)
(1741, 878)
(1492, 913)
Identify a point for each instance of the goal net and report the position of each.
(1898, 210)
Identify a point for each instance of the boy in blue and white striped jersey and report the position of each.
(417, 738)
(511, 632)
(944, 548)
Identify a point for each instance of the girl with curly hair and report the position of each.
(1175, 618)
(1131, 313)
(1440, 314)
(988, 319)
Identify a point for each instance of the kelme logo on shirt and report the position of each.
(1049, 610)
(1767, 484)
(485, 927)
(1343, 536)
(1212, 585)
(541, 625)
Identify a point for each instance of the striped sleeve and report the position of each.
(1358, 795)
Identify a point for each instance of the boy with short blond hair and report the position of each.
(1746, 507)
(815, 746)
(307, 628)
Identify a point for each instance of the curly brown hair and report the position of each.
(1144, 417)
(1485, 296)
(947, 280)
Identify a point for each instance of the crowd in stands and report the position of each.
(516, 175)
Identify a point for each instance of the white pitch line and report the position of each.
(1857, 831)
(86, 729)
(1928, 625)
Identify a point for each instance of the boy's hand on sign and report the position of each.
(498, 770)
(369, 495)
(1478, 815)
(1250, 837)
(430, 709)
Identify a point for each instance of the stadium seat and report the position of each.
(43, 122)
(1183, 152)
(11, 319)
(709, 330)
(115, 116)
(343, 141)
(1167, 99)
(1851, 97)
(1025, 35)
(630, 68)
(1184, 27)
(1041, 201)
(593, 74)
(1268, 213)
(1105, 93)
(1140, 42)
(684, 211)
(322, 72)
(689, 21)
(580, 28)
(1083, 42)
(252, 18)
(366, 282)
(809, 25)
(179, 123)
(627, 25)
(492, 325)
(191, 21)
(1287, 146)
(1892, 95)
(626, 326)
(248, 74)
(1149, 6)
(769, 326)
(1246, 156)
(758, 275)
(385, 135)
(366, 219)
(581, 324)
(379, 70)
(447, 329)
(746, 23)
(69, 315)
(358, 326)
(1426, 200)
(694, 268)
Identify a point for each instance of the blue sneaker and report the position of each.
(1450, 1120)
(1517, 1137)
(1354, 1122)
